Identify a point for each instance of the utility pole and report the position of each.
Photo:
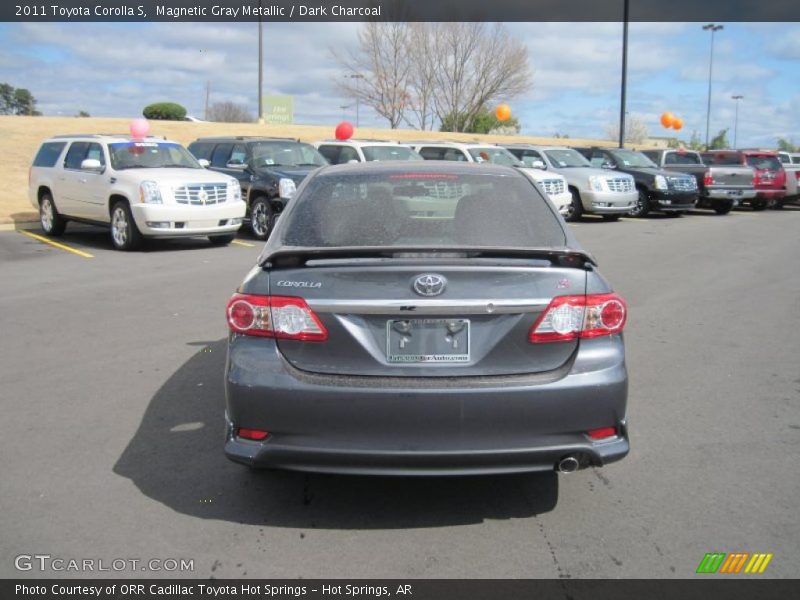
(713, 29)
(736, 118)
(624, 85)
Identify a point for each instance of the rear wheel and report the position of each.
(52, 222)
(778, 204)
(723, 208)
(221, 240)
(125, 235)
(611, 217)
(575, 208)
(262, 217)
(759, 204)
(642, 207)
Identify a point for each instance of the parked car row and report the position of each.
(157, 188)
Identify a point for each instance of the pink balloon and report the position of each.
(344, 131)
(139, 129)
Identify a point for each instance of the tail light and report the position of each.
(274, 316)
(708, 179)
(602, 433)
(252, 434)
(571, 317)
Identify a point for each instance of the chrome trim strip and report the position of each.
(414, 306)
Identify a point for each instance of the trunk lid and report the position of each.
(380, 321)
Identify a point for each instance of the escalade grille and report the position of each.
(620, 184)
(553, 186)
(443, 190)
(200, 194)
(682, 184)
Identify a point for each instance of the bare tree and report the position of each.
(422, 76)
(229, 112)
(635, 131)
(477, 64)
(381, 63)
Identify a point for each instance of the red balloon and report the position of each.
(344, 131)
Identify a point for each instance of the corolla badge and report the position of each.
(429, 284)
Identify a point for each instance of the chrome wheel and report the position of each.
(261, 219)
(119, 227)
(46, 214)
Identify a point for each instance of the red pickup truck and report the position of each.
(769, 176)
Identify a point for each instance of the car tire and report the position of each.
(759, 205)
(125, 235)
(723, 208)
(611, 218)
(575, 208)
(221, 240)
(262, 217)
(51, 221)
(778, 204)
(642, 204)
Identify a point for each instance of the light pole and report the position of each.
(357, 77)
(736, 119)
(624, 85)
(712, 28)
(260, 67)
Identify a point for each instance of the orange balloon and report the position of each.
(667, 119)
(503, 112)
(677, 123)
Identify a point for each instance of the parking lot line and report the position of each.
(245, 244)
(44, 240)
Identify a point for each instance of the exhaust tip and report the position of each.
(568, 464)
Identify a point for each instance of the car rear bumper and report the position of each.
(770, 194)
(425, 426)
(165, 220)
(729, 194)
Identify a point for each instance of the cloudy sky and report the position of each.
(116, 69)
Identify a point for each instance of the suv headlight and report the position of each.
(234, 191)
(149, 192)
(598, 183)
(661, 183)
(286, 187)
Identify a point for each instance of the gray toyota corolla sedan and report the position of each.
(429, 318)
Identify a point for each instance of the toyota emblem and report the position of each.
(429, 284)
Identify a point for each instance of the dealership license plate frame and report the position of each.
(429, 347)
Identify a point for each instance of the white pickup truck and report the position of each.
(791, 164)
(137, 188)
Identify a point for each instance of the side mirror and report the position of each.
(91, 164)
(352, 161)
(538, 164)
(235, 164)
(204, 163)
(608, 165)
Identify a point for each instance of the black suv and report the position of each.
(659, 190)
(268, 169)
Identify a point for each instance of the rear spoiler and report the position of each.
(290, 256)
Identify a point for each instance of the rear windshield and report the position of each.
(764, 162)
(151, 155)
(723, 158)
(389, 153)
(428, 209)
(48, 154)
(682, 158)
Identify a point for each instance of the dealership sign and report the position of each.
(279, 110)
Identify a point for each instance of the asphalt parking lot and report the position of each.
(112, 400)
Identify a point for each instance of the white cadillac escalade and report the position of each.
(138, 188)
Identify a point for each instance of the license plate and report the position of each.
(735, 193)
(427, 340)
